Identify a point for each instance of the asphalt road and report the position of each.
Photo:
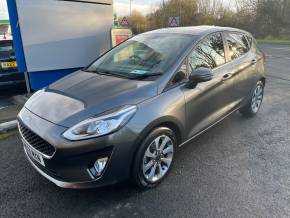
(8, 109)
(239, 168)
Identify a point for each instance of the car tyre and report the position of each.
(152, 164)
(254, 104)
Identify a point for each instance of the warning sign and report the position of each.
(173, 22)
(124, 22)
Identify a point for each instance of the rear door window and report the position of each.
(237, 45)
(208, 53)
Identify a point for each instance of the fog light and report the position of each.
(99, 166)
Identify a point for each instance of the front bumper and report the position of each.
(59, 183)
(69, 166)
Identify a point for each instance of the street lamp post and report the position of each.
(164, 17)
(130, 8)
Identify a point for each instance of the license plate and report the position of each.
(11, 64)
(31, 153)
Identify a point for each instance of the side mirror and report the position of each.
(199, 75)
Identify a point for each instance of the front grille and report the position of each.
(36, 142)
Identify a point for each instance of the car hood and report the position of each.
(82, 95)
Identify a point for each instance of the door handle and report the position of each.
(254, 61)
(227, 76)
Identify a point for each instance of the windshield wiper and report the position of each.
(105, 72)
(145, 76)
(108, 73)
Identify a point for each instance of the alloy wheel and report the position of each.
(158, 158)
(257, 98)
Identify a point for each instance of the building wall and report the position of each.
(61, 35)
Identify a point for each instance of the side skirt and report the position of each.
(202, 131)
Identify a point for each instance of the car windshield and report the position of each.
(144, 55)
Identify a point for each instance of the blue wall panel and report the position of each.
(84, 35)
(39, 80)
(17, 40)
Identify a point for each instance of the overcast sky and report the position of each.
(3, 10)
(121, 7)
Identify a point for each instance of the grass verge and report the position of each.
(7, 135)
(274, 41)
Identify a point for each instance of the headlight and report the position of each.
(99, 126)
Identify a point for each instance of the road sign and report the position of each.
(173, 22)
(124, 22)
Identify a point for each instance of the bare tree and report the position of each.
(264, 18)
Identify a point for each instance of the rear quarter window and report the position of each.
(250, 40)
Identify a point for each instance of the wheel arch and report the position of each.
(263, 80)
(168, 122)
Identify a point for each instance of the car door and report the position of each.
(209, 101)
(242, 62)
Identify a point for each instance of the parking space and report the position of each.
(239, 168)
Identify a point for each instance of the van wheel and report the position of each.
(155, 158)
(253, 106)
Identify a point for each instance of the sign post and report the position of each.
(173, 22)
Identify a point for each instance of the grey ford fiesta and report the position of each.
(125, 115)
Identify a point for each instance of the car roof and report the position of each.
(195, 30)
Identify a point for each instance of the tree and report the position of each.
(263, 18)
(185, 9)
(138, 22)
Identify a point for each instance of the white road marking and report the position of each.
(3, 107)
(282, 48)
(4, 127)
(274, 56)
